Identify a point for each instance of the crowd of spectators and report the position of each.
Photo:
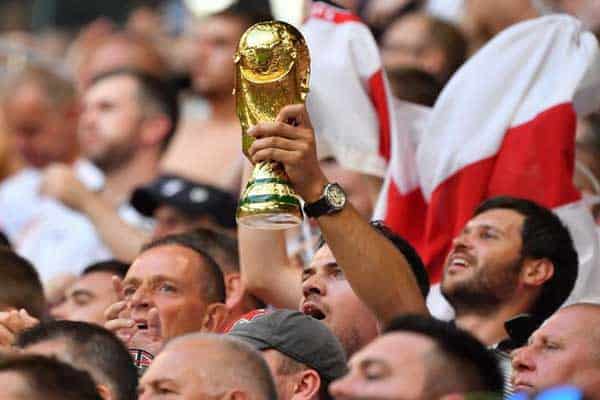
(123, 273)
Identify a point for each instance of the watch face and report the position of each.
(336, 196)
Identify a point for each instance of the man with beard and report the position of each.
(512, 257)
(127, 120)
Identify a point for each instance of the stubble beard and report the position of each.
(483, 294)
(113, 159)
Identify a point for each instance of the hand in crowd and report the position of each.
(135, 336)
(59, 181)
(290, 140)
(12, 323)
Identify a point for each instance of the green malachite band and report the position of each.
(267, 180)
(270, 197)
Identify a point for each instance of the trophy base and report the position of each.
(270, 221)
(269, 202)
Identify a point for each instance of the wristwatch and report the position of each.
(331, 201)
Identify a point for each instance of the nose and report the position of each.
(140, 300)
(314, 285)
(461, 241)
(88, 118)
(522, 359)
(341, 388)
(60, 311)
(144, 395)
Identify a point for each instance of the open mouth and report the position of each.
(141, 325)
(312, 310)
(459, 261)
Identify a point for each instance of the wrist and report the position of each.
(314, 192)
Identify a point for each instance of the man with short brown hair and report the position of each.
(173, 287)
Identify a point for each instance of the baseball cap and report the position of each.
(298, 336)
(189, 197)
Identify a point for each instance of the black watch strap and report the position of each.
(316, 209)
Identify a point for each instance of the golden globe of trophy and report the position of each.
(272, 69)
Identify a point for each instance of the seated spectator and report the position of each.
(562, 351)
(127, 121)
(423, 41)
(87, 347)
(304, 355)
(420, 358)
(91, 294)
(173, 287)
(179, 205)
(41, 378)
(201, 366)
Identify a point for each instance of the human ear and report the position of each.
(234, 289)
(104, 392)
(213, 317)
(308, 385)
(537, 272)
(154, 129)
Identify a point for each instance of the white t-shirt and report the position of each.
(56, 239)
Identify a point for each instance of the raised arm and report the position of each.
(376, 270)
(267, 272)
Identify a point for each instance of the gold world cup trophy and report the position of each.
(272, 70)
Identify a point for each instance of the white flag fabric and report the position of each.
(349, 100)
(503, 125)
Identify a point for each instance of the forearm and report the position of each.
(123, 240)
(266, 269)
(377, 271)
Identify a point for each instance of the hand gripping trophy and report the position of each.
(272, 70)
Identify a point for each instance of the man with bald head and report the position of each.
(204, 366)
(564, 350)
